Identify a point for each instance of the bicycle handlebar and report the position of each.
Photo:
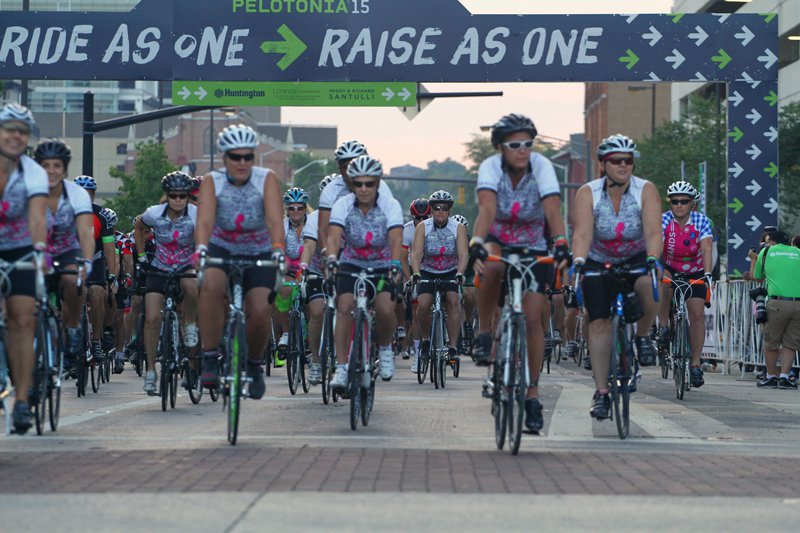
(683, 284)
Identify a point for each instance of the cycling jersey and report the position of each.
(366, 236)
(439, 253)
(337, 189)
(73, 202)
(618, 236)
(240, 227)
(520, 218)
(103, 231)
(174, 238)
(294, 244)
(408, 237)
(311, 231)
(682, 245)
(123, 242)
(25, 182)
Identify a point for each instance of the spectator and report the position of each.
(779, 264)
(796, 241)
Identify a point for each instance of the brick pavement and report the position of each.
(397, 470)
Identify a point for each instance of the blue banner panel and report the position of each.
(752, 167)
(381, 40)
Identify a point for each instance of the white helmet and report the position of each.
(18, 112)
(365, 166)
(441, 197)
(349, 150)
(616, 144)
(682, 188)
(325, 181)
(461, 219)
(237, 136)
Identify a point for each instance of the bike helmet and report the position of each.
(365, 166)
(295, 195)
(461, 219)
(349, 150)
(177, 181)
(697, 196)
(325, 181)
(237, 136)
(682, 188)
(441, 197)
(86, 182)
(197, 181)
(53, 149)
(616, 144)
(10, 112)
(420, 208)
(110, 216)
(511, 124)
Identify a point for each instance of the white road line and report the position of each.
(71, 420)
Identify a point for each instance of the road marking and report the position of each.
(71, 420)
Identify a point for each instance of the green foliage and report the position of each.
(789, 163)
(310, 177)
(142, 189)
(479, 148)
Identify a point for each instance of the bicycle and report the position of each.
(437, 355)
(510, 372)
(623, 371)
(296, 353)
(233, 379)
(680, 350)
(6, 388)
(362, 368)
(327, 353)
(552, 344)
(170, 351)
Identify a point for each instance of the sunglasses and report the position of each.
(295, 208)
(679, 202)
(441, 207)
(620, 160)
(362, 184)
(178, 196)
(241, 157)
(519, 145)
(19, 128)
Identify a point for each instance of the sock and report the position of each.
(784, 376)
(209, 353)
(416, 345)
(120, 355)
(770, 376)
(602, 392)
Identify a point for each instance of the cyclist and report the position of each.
(23, 231)
(468, 291)
(440, 251)
(173, 227)
(103, 269)
(420, 210)
(108, 340)
(340, 185)
(687, 253)
(311, 262)
(616, 222)
(125, 251)
(518, 194)
(71, 241)
(295, 201)
(367, 228)
(239, 216)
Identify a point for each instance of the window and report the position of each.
(789, 49)
(122, 148)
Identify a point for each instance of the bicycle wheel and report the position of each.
(368, 392)
(517, 390)
(498, 406)
(235, 354)
(422, 366)
(355, 371)
(437, 342)
(54, 388)
(678, 355)
(327, 361)
(305, 357)
(618, 382)
(38, 400)
(173, 387)
(457, 368)
(213, 394)
(193, 382)
(292, 357)
(94, 371)
(82, 371)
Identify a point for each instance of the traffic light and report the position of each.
(461, 195)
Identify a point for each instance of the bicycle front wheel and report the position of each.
(355, 370)
(620, 362)
(498, 406)
(236, 351)
(327, 362)
(41, 373)
(517, 389)
(293, 356)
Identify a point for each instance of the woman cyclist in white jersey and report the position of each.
(239, 215)
(617, 221)
(440, 251)
(23, 233)
(518, 194)
(71, 236)
(366, 228)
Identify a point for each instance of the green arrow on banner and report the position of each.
(723, 59)
(738, 273)
(736, 134)
(736, 205)
(772, 170)
(677, 18)
(768, 16)
(771, 99)
(291, 47)
(631, 59)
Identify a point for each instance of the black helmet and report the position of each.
(177, 181)
(52, 149)
(511, 124)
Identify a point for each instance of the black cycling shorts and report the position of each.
(347, 284)
(254, 277)
(695, 291)
(427, 288)
(98, 276)
(157, 283)
(598, 293)
(314, 288)
(22, 282)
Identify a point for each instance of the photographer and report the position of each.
(779, 263)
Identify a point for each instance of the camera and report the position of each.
(759, 295)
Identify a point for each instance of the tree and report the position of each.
(789, 163)
(309, 178)
(479, 148)
(143, 188)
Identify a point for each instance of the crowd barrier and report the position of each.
(732, 335)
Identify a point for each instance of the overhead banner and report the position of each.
(379, 40)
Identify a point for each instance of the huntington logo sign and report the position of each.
(409, 41)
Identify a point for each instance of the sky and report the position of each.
(442, 128)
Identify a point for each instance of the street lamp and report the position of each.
(637, 88)
(290, 148)
(299, 170)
